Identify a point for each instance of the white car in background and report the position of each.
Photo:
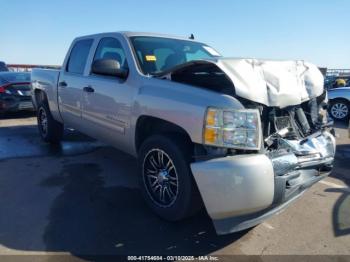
(339, 103)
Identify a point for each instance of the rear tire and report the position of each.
(167, 183)
(51, 131)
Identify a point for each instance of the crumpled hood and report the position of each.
(273, 83)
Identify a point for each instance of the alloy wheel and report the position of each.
(160, 178)
(339, 110)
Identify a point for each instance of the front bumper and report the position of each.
(243, 190)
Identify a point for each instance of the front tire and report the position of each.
(339, 109)
(50, 130)
(167, 183)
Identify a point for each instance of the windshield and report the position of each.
(157, 54)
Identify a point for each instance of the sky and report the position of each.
(318, 31)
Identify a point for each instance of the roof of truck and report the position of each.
(131, 34)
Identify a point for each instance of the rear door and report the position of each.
(72, 81)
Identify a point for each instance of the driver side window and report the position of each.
(110, 48)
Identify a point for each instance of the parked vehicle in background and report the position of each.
(3, 67)
(245, 137)
(339, 103)
(332, 82)
(15, 92)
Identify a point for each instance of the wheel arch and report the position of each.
(39, 97)
(339, 98)
(45, 95)
(147, 126)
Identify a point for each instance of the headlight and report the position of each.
(238, 129)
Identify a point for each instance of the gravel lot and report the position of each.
(82, 199)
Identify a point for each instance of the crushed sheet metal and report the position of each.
(273, 83)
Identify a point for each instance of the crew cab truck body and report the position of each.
(244, 137)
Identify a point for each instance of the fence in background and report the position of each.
(28, 68)
(338, 72)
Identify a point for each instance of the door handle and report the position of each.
(62, 84)
(88, 89)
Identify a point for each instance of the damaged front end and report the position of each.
(244, 188)
(301, 153)
(241, 188)
(300, 143)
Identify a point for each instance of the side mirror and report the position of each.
(109, 67)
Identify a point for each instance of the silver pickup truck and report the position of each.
(242, 137)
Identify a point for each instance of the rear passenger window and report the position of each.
(78, 56)
(110, 48)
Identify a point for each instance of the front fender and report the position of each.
(180, 104)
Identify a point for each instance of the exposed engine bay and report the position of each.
(294, 123)
(300, 143)
(289, 95)
(298, 136)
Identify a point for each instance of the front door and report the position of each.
(107, 100)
